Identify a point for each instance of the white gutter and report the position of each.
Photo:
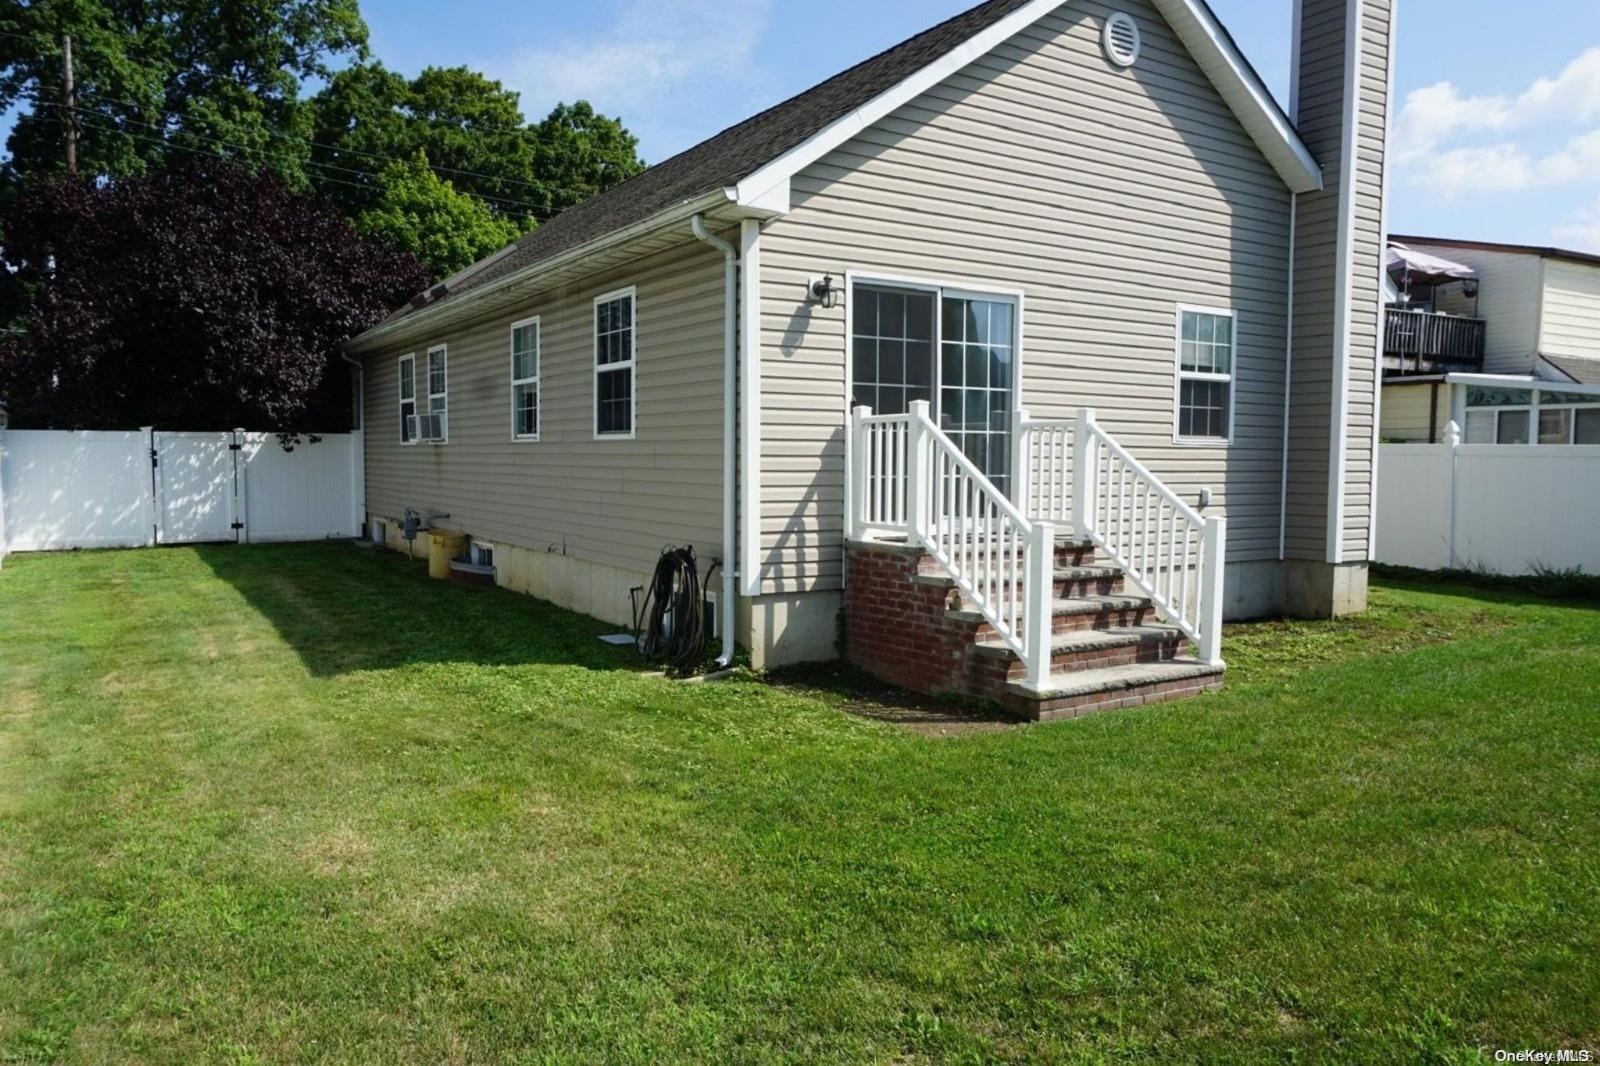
(1288, 373)
(730, 434)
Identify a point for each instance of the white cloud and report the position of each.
(1582, 230)
(1507, 167)
(658, 65)
(1438, 113)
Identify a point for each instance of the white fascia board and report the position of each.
(1197, 27)
(767, 188)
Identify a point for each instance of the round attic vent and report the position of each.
(1121, 38)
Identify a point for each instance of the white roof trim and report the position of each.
(1195, 26)
(1522, 381)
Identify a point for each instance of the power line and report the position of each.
(257, 149)
(279, 134)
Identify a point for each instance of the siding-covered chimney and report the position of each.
(1342, 81)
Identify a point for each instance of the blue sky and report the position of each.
(1498, 118)
(1498, 123)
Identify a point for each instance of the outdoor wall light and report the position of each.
(821, 291)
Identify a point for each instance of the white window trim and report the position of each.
(445, 348)
(1180, 375)
(631, 363)
(400, 384)
(538, 369)
(956, 289)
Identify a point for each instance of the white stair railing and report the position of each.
(1003, 564)
(879, 450)
(1041, 465)
(1166, 548)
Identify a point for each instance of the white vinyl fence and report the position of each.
(1502, 508)
(64, 489)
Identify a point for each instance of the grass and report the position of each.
(297, 803)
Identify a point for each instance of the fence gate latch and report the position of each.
(153, 459)
(237, 525)
(235, 447)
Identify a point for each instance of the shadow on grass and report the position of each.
(854, 691)
(1560, 589)
(343, 608)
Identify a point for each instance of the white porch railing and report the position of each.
(1003, 564)
(1171, 552)
(909, 479)
(878, 480)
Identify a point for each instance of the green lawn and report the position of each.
(291, 803)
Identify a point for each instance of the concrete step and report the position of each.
(1091, 649)
(1070, 581)
(1073, 613)
(1131, 685)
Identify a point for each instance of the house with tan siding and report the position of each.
(1009, 361)
(1509, 349)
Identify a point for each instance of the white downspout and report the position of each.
(730, 438)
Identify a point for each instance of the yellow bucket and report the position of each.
(443, 546)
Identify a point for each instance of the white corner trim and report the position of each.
(1383, 273)
(1199, 30)
(750, 560)
(1288, 374)
(1342, 295)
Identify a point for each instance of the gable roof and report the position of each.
(751, 159)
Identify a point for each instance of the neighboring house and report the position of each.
(1034, 208)
(1506, 344)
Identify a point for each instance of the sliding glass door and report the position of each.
(895, 335)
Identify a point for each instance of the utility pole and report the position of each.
(69, 114)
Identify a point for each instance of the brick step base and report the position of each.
(905, 624)
(1137, 685)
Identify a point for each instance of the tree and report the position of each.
(202, 295)
(473, 133)
(155, 75)
(419, 212)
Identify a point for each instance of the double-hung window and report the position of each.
(437, 426)
(1207, 346)
(615, 348)
(408, 399)
(525, 379)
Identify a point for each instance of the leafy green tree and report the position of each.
(425, 215)
(219, 79)
(474, 135)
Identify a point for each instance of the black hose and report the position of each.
(674, 613)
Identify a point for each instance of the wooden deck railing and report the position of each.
(1420, 342)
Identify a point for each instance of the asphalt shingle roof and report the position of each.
(731, 155)
(1583, 371)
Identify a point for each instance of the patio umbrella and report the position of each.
(1422, 268)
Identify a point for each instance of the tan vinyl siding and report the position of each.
(614, 502)
(1410, 414)
(1508, 301)
(1571, 322)
(1108, 197)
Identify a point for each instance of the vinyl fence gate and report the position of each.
(65, 489)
